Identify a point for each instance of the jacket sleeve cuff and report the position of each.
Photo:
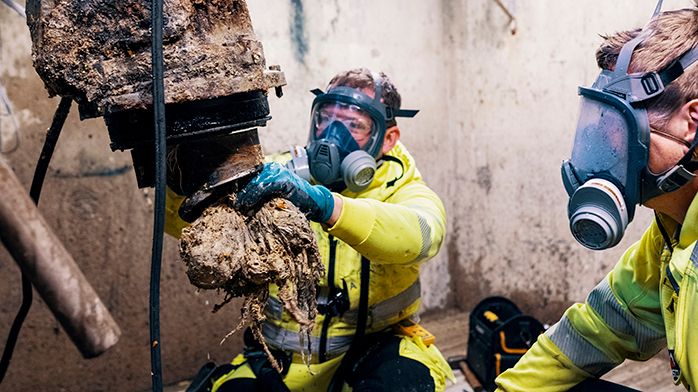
(543, 368)
(355, 221)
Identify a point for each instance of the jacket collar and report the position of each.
(689, 229)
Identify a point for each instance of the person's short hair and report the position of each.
(671, 34)
(360, 78)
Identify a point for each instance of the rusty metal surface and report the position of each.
(53, 272)
(190, 120)
(208, 169)
(99, 52)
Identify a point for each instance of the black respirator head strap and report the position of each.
(641, 87)
(373, 105)
(679, 175)
(620, 71)
(390, 112)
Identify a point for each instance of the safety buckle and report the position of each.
(650, 83)
(336, 304)
(636, 88)
(674, 179)
(650, 86)
(389, 113)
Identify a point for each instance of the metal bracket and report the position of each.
(510, 14)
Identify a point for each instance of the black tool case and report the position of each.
(496, 343)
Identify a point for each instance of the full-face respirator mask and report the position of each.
(347, 128)
(608, 175)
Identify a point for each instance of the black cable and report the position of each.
(35, 192)
(49, 145)
(160, 178)
(353, 352)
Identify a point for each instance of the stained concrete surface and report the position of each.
(497, 118)
(498, 113)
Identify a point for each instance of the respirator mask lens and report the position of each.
(600, 143)
(357, 121)
(596, 175)
(341, 136)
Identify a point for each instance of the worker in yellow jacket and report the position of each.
(635, 144)
(376, 223)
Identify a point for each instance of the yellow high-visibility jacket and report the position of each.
(398, 222)
(648, 301)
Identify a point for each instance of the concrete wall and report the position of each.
(511, 118)
(497, 117)
(498, 111)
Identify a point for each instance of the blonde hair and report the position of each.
(670, 35)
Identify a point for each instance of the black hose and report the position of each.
(160, 178)
(49, 145)
(35, 192)
(27, 297)
(352, 354)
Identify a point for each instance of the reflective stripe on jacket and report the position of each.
(398, 222)
(645, 303)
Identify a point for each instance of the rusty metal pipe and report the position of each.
(53, 272)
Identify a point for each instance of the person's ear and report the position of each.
(392, 135)
(692, 107)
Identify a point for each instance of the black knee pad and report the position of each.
(382, 368)
(239, 385)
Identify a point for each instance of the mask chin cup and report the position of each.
(598, 214)
(358, 169)
(324, 161)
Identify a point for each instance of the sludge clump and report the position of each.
(242, 255)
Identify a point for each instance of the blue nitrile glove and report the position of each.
(315, 201)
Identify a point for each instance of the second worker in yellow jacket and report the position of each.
(635, 144)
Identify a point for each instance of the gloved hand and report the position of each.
(315, 201)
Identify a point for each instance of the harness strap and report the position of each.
(380, 313)
(390, 158)
(354, 349)
(664, 233)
